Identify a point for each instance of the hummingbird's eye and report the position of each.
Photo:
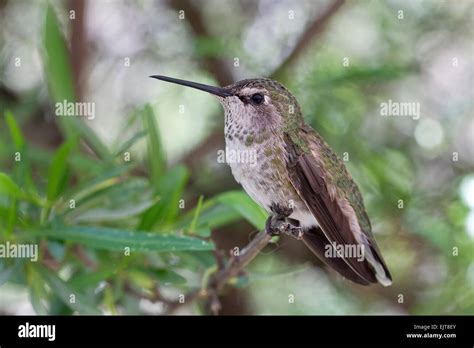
(257, 98)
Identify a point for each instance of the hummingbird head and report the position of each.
(260, 104)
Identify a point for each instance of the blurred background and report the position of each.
(147, 160)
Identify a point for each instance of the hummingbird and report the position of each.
(297, 176)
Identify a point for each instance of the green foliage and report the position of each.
(110, 231)
(60, 288)
(169, 190)
(156, 157)
(120, 240)
(245, 206)
(57, 67)
(8, 187)
(75, 209)
(59, 76)
(58, 171)
(15, 132)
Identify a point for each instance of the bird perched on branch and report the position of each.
(297, 177)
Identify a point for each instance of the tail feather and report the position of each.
(363, 274)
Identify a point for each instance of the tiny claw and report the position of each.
(276, 225)
(294, 231)
(271, 226)
(298, 233)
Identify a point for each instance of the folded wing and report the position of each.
(335, 201)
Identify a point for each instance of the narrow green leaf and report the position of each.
(15, 131)
(22, 169)
(58, 171)
(156, 156)
(130, 142)
(118, 240)
(8, 187)
(170, 191)
(113, 199)
(218, 216)
(58, 68)
(115, 213)
(91, 279)
(93, 185)
(37, 290)
(244, 205)
(64, 291)
(197, 211)
(60, 83)
(213, 215)
(169, 277)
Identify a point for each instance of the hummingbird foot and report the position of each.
(274, 225)
(294, 230)
(279, 223)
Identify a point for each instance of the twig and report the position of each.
(81, 254)
(79, 50)
(216, 66)
(313, 31)
(237, 263)
(219, 279)
(219, 256)
(155, 296)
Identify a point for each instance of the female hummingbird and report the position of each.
(297, 176)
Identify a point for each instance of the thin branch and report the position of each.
(313, 31)
(218, 280)
(238, 263)
(155, 296)
(79, 51)
(217, 67)
(81, 254)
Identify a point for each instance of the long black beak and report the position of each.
(221, 92)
